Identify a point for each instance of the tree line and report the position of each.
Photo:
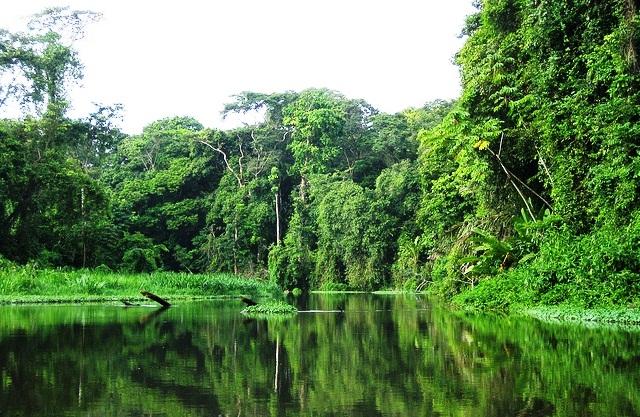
(524, 189)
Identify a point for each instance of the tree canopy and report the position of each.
(517, 191)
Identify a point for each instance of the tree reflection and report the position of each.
(388, 356)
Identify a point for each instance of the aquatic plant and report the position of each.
(270, 308)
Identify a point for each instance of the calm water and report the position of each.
(382, 356)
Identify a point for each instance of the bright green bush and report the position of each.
(598, 269)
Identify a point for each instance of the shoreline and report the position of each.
(626, 317)
(107, 299)
(225, 286)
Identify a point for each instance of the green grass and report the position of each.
(29, 285)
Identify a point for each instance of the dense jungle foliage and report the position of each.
(525, 190)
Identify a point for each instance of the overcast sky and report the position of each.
(167, 58)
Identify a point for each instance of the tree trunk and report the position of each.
(277, 218)
(303, 191)
(235, 247)
(84, 226)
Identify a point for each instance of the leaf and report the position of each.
(481, 145)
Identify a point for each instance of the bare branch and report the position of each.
(544, 165)
(531, 190)
(226, 160)
(260, 158)
(241, 157)
(349, 164)
(510, 178)
(284, 136)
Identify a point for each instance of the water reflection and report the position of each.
(372, 356)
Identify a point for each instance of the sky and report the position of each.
(187, 58)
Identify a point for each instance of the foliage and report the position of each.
(544, 125)
(517, 191)
(41, 62)
(161, 183)
(291, 263)
(352, 237)
(142, 255)
(594, 270)
(50, 203)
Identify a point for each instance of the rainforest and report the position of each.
(524, 191)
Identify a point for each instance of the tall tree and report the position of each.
(38, 65)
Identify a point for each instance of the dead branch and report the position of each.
(544, 165)
(226, 160)
(241, 158)
(510, 178)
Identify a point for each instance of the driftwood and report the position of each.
(248, 301)
(151, 296)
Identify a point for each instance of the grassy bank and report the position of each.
(29, 285)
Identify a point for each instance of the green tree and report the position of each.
(161, 183)
(39, 64)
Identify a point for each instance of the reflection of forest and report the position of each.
(382, 356)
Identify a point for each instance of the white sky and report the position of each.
(167, 58)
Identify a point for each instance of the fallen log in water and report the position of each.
(248, 301)
(155, 298)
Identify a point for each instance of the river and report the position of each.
(354, 355)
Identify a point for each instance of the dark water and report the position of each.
(383, 356)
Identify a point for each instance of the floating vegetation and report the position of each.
(270, 308)
(580, 315)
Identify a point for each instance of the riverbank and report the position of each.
(574, 302)
(30, 285)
